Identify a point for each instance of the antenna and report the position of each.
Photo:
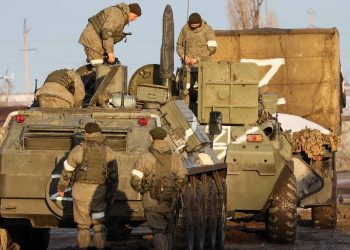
(188, 8)
(26, 50)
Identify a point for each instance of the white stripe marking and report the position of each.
(96, 61)
(137, 173)
(212, 43)
(56, 197)
(96, 216)
(67, 166)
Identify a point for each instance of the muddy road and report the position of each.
(241, 236)
(246, 235)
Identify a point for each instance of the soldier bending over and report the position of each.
(62, 89)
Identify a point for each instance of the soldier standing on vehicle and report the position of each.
(157, 175)
(106, 29)
(196, 42)
(92, 169)
(62, 89)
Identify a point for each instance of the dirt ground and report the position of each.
(251, 235)
(240, 235)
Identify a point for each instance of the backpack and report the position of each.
(163, 186)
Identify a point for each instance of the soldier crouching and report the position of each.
(157, 175)
(90, 166)
(62, 89)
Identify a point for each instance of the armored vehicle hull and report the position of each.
(260, 176)
(37, 141)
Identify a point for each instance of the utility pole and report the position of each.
(311, 18)
(26, 50)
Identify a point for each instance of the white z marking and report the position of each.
(275, 63)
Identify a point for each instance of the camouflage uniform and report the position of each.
(62, 89)
(200, 44)
(89, 165)
(103, 31)
(159, 214)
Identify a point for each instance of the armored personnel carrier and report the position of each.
(260, 179)
(35, 142)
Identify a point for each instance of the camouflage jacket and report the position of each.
(76, 157)
(114, 19)
(200, 43)
(145, 167)
(74, 96)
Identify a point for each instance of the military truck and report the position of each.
(35, 143)
(302, 66)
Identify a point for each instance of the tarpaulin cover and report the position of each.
(301, 65)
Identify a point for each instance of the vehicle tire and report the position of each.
(211, 215)
(281, 221)
(222, 214)
(184, 232)
(199, 216)
(326, 216)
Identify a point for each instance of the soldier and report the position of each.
(157, 175)
(106, 29)
(92, 169)
(62, 89)
(196, 42)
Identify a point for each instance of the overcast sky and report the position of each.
(55, 27)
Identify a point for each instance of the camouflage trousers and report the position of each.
(92, 54)
(89, 206)
(162, 226)
(53, 102)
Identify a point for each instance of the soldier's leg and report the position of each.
(170, 229)
(160, 241)
(81, 213)
(193, 93)
(186, 85)
(101, 71)
(158, 224)
(98, 209)
(53, 102)
(93, 56)
(99, 232)
(83, 236)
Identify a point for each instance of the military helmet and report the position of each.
(135, 8)
(92, 127)
(158, 133)
(194, 18)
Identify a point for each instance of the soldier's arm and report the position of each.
(112, 23)
(141, 170)
(180, 49)
(180, 171)
(211, 40)
(75, 157)
(79, 90)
